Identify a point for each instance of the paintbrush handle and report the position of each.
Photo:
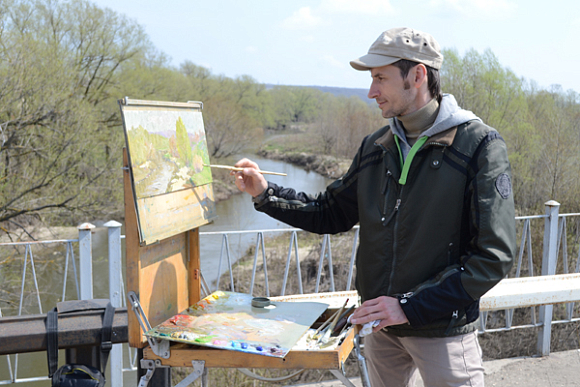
(231, 168)
(339, 313)
(342, 321)
(331, 318)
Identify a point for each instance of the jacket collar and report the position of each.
(444, 138)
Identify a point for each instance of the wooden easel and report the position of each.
(164, 275)
(164, 279)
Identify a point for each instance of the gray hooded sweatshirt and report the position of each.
(450, 115)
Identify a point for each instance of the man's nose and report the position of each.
(373, 92)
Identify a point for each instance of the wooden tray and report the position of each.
(183, 354)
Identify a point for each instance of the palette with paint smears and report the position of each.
(227, 320)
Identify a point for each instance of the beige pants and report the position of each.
(442, 361)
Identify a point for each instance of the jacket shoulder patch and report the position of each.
(503, 184)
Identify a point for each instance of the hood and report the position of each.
(450, 115)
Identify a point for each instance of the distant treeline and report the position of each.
(64, 65)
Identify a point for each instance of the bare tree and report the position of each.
(59, 63)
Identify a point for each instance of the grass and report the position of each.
(298, 139)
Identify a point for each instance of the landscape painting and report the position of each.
(170, 182)
(227, 320)
(168, 150)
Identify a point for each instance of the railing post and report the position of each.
(115, 262)
(86, 261)
(549, 260)
(87, 355)
(115, 290)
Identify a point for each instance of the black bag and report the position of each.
(78, 375)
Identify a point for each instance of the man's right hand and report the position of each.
(249, 180)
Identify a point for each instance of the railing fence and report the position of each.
(555, 240)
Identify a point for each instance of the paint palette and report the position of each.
(227, 320)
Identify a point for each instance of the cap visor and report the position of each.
(370, 61)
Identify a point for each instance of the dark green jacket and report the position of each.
(438, 242)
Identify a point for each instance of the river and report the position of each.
(238, 213)
(234, 214)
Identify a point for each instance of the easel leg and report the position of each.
(204, 378)
(340, 376)
(198, 370)
(149, 378)
(362, 363)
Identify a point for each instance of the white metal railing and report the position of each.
(325, 254)
(83, 281)
(555, 240)
(28, 261)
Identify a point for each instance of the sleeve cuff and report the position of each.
(261, 198)
(414, 319)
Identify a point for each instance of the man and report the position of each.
(432, 193)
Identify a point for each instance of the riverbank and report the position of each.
(224, 188)
(327, 166)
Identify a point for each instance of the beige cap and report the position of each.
(401, 43)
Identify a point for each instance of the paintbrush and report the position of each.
(324, 324)
(324, 338)
(231, 168)
(342, 321)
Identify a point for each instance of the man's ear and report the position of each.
(419, 75)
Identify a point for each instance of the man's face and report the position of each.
(394, 94)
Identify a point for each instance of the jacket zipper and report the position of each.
(386, 185)
(449, 254)
(393, 213)
(394, 261)
(384, 219)
(384, 192)
(439, 281)
(454, 318)
(425, 286)
(405, 168)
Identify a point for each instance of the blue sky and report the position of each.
(311, 42)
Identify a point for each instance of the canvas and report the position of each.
(227, 320)
(167, 153)
(167, 148)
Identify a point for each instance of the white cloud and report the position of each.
(307, 18)
(332, 61)
(365, 7)
(302, 19)
(495, 9)
(207, 65)
(251, 49)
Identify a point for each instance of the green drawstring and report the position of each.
(406, 165)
